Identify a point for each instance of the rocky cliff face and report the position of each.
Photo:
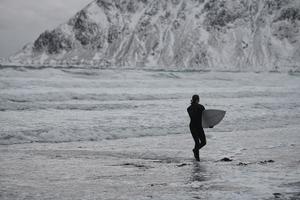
(239, 35)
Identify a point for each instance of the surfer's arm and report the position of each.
(201, 107)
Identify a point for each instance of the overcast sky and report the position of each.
(21, 21)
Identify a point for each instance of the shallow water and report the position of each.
(265, 165)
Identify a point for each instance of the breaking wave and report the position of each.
(65, 105)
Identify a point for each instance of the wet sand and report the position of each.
(265, 165)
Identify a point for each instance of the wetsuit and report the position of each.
(195, 112)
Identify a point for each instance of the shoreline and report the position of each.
(156, 167)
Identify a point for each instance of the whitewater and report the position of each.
(76, 133)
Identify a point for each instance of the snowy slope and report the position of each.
(238, 35)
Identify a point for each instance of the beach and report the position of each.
(123, 134)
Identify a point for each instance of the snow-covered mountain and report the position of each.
(241, 35)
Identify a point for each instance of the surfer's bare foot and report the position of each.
(196, 154)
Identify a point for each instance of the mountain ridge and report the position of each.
(244, 35)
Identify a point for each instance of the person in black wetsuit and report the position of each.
(195, 112)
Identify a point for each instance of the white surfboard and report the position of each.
(212, 117)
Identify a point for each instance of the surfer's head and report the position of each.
(195, 98)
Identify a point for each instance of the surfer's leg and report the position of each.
(202, 138)
(196, 154)
(194, 132)
(197, 144)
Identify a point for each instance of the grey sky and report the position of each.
(21, 21)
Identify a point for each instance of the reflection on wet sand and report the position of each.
(199, 172)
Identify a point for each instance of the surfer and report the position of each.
(195, 112)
